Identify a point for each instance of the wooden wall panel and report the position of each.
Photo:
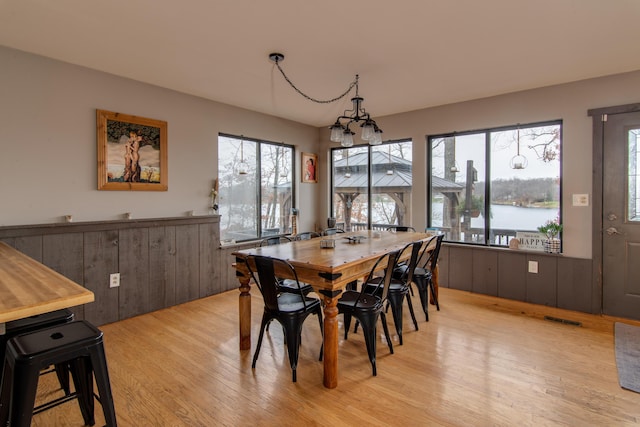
(541, 286)
(100, 260)
(162, 267)
(63, 253)
(575, 281)
(443, 266)
(209, 241)
(461, 277)
(30, 246)
(512, 275)
(485, 272)
(187, 259)
(133, 259)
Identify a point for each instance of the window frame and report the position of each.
(258, 196)
(487, 175)
(370, 193)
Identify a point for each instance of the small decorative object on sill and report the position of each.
(551, 229)
(213, 209)
(514, 244)
(552, 246)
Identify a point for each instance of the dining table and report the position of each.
(349, 257)
(29, 288)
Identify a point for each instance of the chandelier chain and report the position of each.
(318, 101)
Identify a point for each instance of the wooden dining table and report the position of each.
(328, 271)
(29, 288)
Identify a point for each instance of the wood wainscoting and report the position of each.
(162, 262)
(560, 281)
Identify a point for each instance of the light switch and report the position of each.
(580, 200)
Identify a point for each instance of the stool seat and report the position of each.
(77, 343)
(34, 323)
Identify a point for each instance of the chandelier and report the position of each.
(341, 130)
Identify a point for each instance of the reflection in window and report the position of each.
(488, 185)
(372, 185)
(633, 176)
(256, 203)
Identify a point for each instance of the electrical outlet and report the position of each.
(533, 267)
(580, 199)
(114, 280)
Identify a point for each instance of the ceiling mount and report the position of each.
(276, 57)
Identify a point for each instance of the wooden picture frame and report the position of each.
(132, 152)
(309, 168)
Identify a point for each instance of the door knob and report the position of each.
(612, 217)
(612, 230)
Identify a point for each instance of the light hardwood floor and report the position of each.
(480, 361)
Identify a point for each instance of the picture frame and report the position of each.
(309, 168)
(132, 152)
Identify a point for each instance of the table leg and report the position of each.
(330, 341)
(3, 329)
(244, 302)
(434, 277)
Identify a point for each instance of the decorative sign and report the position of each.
(531, 241)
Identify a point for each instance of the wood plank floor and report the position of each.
(480, 361)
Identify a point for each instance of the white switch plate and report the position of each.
(533, 267)
(580, 200)
(114, 280)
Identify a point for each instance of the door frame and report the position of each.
(599, 119)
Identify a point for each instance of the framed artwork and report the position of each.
(132, 152)
(309, 168)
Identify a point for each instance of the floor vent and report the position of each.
(563, 321)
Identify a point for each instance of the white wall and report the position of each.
(48, 143)
(568, 102)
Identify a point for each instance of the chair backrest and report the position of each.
(392, 262)
(396, 228)
(416, 250)
(275, 240)
(266, 280)
(332, 231)
(429, 253)
(308, 235)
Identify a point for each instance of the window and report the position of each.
(255, 187)
(488, 185)
(372, 185)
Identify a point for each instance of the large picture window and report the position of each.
(255, 187)
(371, 185)
(488, 185)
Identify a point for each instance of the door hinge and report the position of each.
(604, 117)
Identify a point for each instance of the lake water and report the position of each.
(508, 217)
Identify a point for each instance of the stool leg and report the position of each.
(99, 364)
(23, 396)
(62, 372)
(83, 381)
(5, 394)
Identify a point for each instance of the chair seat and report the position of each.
(367, 303)
(290, 286)
(422, 272)
(290, 305)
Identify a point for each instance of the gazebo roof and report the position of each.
(399, 180)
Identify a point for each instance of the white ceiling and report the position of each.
(410, 54)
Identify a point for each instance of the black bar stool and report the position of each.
(32, 324)
(77, 343)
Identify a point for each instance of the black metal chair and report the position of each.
(290, 310)
(308, 235)
(423, 272)
(286, 285)
(332, 231)
(402, 228)
(275, 240)
(367, 308)
(399, 287)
